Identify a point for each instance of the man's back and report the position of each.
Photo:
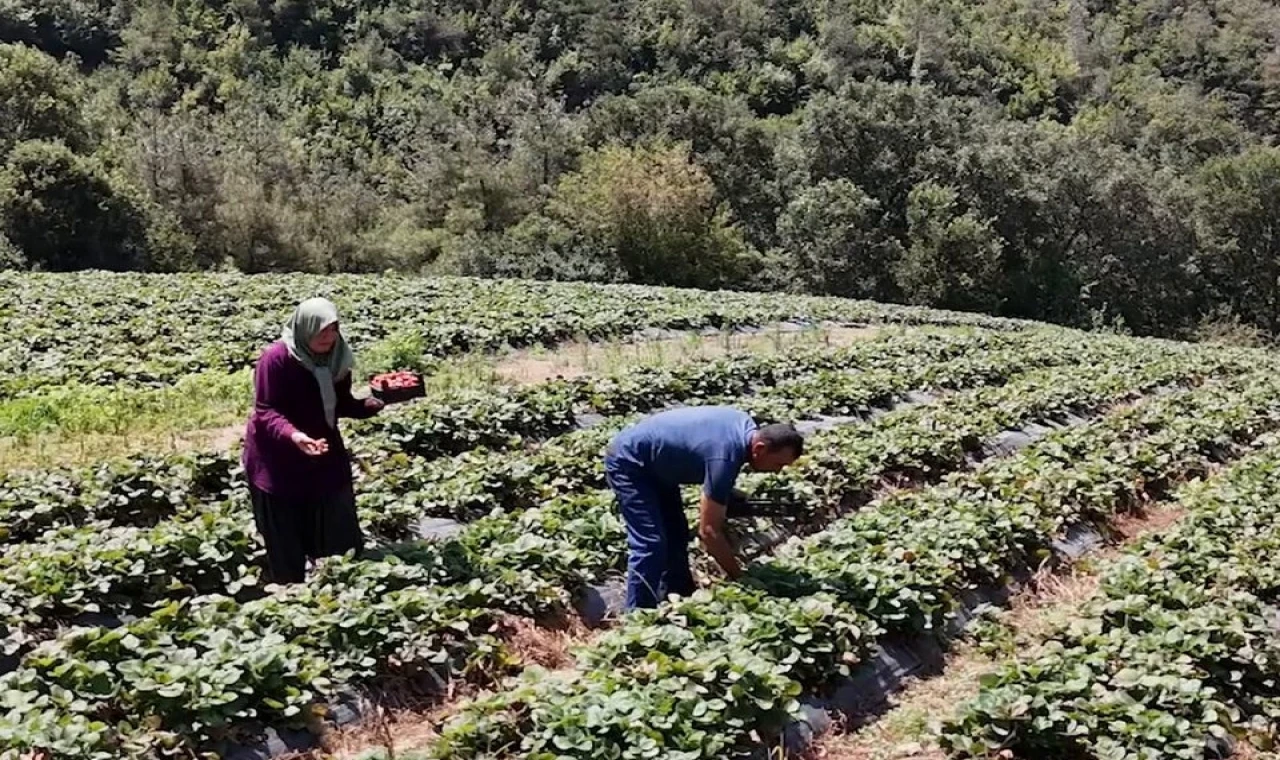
(677, 446)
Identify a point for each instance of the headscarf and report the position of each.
(312, 316)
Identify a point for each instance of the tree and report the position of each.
(88, 29)
(654, 210)
(735, 148)
(64, 213)
(1134, 256)
(1026, 182)
(925, 27)
(874, 135)
(833, 235)
(537, 248)
(10, 256)
(1238, 216)
(954, 257)
(175, 161)
(39, 100)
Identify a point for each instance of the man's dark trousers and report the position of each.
(657, 534)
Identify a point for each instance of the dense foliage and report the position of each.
(1079, 161)
(717, 674)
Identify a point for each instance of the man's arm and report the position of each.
(711, 518)
(716, 491)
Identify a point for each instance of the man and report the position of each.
(647, 463)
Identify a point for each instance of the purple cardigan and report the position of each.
(286, 399)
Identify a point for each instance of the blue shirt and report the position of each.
(697, 444)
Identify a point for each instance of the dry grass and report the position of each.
(583, 358)
(395, 731)
(394, 722)
(545, 645)
(1131, 527)
(904, 731)
(64, 450)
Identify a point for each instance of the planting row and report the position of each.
(1175, 657)
(202, 671)
(509, 419)
(109, 329)
(141, 490)
(474, 483)
(574, 538)
(578, 538)
(125, 569)
(717, 674)
(136, 491)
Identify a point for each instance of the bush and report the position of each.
(1229, 329)
(1236, 208)
(954, 258)
(538, 248)
(62, 211)
(833, 234)
(10, 256)
(654, 211)
(39, 99)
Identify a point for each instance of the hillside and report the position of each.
(1085, 162)
(951, 460)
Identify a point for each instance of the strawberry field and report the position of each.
(943, 459)
(146, 330)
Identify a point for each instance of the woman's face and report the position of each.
(324, 340)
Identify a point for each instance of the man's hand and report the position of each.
(711, 518)
(739, 505)
(373, 405)
(308, 445)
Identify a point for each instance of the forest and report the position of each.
(1093, 163)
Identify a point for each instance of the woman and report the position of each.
(297, 465)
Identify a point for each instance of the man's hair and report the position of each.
(781, 435)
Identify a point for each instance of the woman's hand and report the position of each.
(373, 405)
(310, 446)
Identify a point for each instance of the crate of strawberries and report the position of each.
(395, 387)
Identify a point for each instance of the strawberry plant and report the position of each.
(713, 675)
(123, 569)
(475, 483)
(138, 491)
(1174, 657)
(897, 567)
